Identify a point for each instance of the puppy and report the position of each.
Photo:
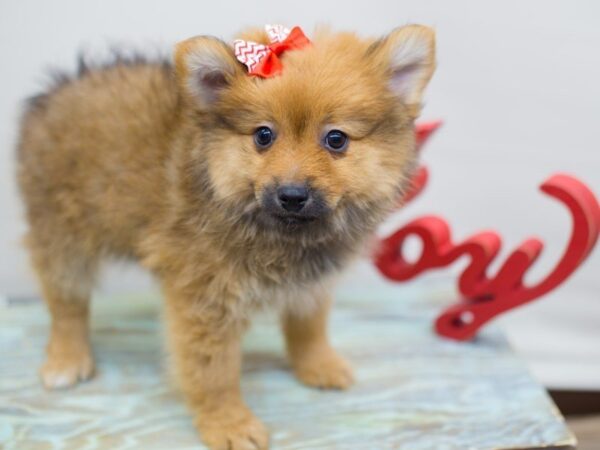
(238, 192)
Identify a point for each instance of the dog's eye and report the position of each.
(336, 141)
(264, 137)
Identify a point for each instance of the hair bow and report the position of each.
(263, 60)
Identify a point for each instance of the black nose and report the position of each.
(293, 198)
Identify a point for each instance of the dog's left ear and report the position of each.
(407, 56)
(204, 67)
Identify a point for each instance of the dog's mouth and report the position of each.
(292, 226)
(294, 220)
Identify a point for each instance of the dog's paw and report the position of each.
(324, 369)
(235, 430)
(63, 370)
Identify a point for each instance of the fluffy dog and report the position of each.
(237, 192)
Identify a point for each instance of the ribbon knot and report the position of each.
(263, 60)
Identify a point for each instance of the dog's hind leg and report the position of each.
(66, 280)
(314, 361)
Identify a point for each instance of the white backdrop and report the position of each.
(517, 85)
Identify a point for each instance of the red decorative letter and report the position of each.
(484, 297)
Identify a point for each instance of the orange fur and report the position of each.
(158, 163)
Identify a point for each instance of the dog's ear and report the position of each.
(204, 67)
(407, 56)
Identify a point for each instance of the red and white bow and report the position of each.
(263, 60)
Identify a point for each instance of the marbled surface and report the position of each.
(414, 390)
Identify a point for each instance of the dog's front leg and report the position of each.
(313, 359)
(204, 337)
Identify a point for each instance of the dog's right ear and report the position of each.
(205, 66)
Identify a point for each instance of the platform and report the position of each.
(414, 390)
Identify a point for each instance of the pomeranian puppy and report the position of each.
(238, 192)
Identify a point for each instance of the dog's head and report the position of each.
(323, 148)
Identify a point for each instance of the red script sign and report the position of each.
(486, 297)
